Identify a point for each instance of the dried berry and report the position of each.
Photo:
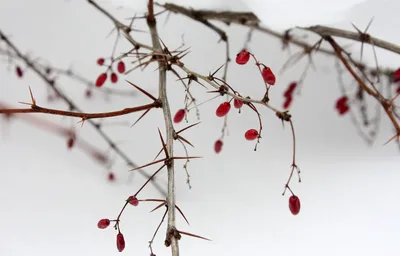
(237, 103)
(133, 200)
(218, 146)
(103, 223)
(294, 205)
(223, 109)
(101, 79)
(251, 134)
(120, 242)
(268, 76)
(242, 57)
(114, 78)
(180, 114)
(100, 61)
(121, 67)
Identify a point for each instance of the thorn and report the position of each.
(143, 91)
(189, 234)
(163, 144)
(147, 111)
(190, 126)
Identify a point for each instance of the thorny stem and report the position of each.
(172, 239)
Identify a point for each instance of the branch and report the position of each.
(170, 239)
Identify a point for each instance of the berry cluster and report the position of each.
(101, 79)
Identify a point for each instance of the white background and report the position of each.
(51, 197)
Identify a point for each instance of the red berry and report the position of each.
(100, 61)
(289, 91)
(223, 109)
(103, 223)
(19, 71)
(180, 114)
(237, 103)
(396, 76)
(287, 102)
(120, 242)
(294, 205)
(121, 67)
(268, 76)
(70, 142)
(342, 106)
(251, 134)
(101, 79)
(111, 176)
(343, 110)
(114, 78)
(242, 57)
(218, 146)
(133, 200)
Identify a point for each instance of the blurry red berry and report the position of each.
(218, 146)
(120, 242)
(294, 205)
(287, 102)
(101, 79)
(180, 114)
(19, 71)
(342, 105)
(121, 67)
(237, 103)
(111, 176)
(114, 78)
(343, 110)
(268, 76)
(223, 109)
(289, 91)
(103, 223)
(100, 61)
(251, 134)
(396, 76)
(70, 142)
(133, 200)
(242, 57)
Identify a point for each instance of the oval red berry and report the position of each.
(218, 146)
(180, 114)
(289, 91)
(121, 67)
(100, 61)
(101, 79)
(237, 103)
(251, 134)
(268, 76)
(287, 102)
(111, 176)
(294, 205)
(396, 76)
(103, 223)
(70, 142)
(242, 57)
(114, 78)
(223, 109)
(120, 242)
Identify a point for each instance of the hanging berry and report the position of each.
(180, 114)
(223, 109)
(101, 79)
(294, 205)
(120, 242)
(111, 176)
(133, 200)
(103, 223)
(121, 67)
(396, 76)
(237, 103)
(100, 61)
(242, 57)
(342, 105)
(251, 134)
(114, 78)
(70, 142)
(218, 146)
(268, 76)
(19, 71)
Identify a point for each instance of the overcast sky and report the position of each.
(52, 197)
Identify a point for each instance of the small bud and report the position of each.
(19, 71)
(114, 78)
